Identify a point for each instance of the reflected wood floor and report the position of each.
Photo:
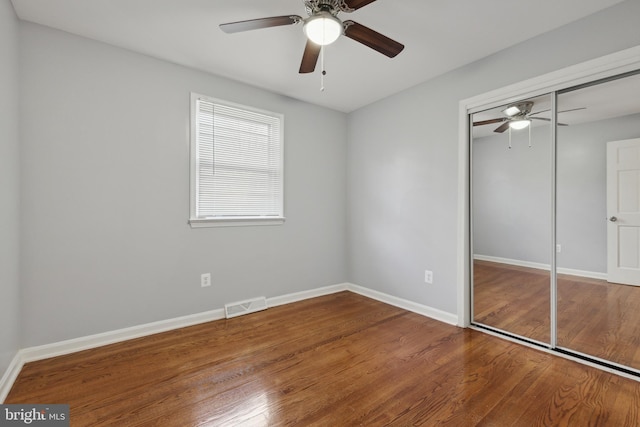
(512, 298)
(595, 317)
(336, 360)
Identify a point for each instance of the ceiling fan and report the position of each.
(519, 116)
(323, 27)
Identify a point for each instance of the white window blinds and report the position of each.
(238, 162)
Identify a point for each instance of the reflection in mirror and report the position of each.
(511, 218)
(598, 221)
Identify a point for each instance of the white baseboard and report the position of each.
(424, 310)
(46, 351)
(509, 261)
(583, 273)
(540, 266)
(60, 348)
(10, 376)
(299, 296)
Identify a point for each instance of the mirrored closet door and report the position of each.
(511, 218)
(555, 220)
(598, 221)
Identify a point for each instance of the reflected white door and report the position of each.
(623, 210)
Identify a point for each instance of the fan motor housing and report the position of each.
(522, 109)
(331, 6)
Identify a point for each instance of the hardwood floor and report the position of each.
(595, 317)
(337, 360)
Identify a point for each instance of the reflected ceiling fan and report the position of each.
(323, 27)
(519, 116)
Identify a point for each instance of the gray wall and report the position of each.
(105, 178)
(512, 194)
(403, 158)
(9, 186)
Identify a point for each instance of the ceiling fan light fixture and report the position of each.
(322, 28)
(519, 124)
(511, 111)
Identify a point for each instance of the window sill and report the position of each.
(235, 222)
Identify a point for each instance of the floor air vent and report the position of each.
(245, 307)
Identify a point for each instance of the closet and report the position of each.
(555, 220)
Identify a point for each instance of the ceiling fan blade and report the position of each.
(538, 112)
(546, 120)
(490, 121)
(573, 109)
(255, 24)
(372, 39)
(502, 127)
(563, 111)
(310, 57)
(357, 4)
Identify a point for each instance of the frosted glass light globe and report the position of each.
(323, 28)
(519, 124)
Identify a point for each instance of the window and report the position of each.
(236, 164)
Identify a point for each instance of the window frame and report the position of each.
(249, 220)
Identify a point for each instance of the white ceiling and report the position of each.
(439, 35)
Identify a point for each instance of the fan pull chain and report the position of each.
(323, 70)
(529, 135)
(509, 137)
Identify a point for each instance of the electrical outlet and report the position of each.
(428, 277)
(205, 280)
(558, 248)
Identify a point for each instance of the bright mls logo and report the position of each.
(36, 415)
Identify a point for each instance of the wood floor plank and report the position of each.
(337, 360)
